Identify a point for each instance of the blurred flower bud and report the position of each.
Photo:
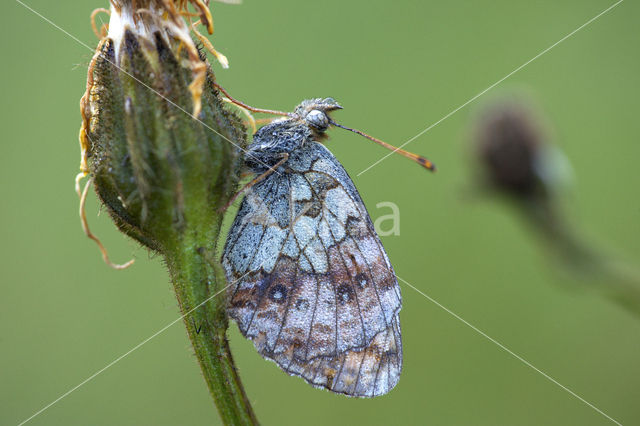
(160, 147)
(508, 143)
(512, 148)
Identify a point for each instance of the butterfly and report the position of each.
(314, 289)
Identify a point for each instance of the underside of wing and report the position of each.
(312, 285)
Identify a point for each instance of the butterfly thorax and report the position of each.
(274, 140)
(309, 121)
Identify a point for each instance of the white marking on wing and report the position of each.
(324, 166)
(317, 256)
(291, 247)
(305, 228)
(242, 251)
(300, 189)
(337, 228)
(269, 249)
(324, 232)
(340, 204)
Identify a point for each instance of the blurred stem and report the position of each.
(196, 277)
(559, 236)
(618, 281)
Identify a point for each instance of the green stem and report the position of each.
(614, 279)
(197, 277)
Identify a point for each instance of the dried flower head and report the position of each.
(156, 139)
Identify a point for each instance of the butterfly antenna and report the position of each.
(423, 161)
(248, 107)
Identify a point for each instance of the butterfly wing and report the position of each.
(313, 286)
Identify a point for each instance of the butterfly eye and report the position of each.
(318, 120)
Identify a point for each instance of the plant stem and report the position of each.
(196, 277)
(616, 280)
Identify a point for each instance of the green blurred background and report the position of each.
(397, 67)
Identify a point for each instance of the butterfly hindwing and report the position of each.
(313, 287)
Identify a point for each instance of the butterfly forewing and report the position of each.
(314, 288)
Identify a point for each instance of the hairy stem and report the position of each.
(197, 278)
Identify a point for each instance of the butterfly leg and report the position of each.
(285, 157)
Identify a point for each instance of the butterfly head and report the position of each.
(315, 112)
